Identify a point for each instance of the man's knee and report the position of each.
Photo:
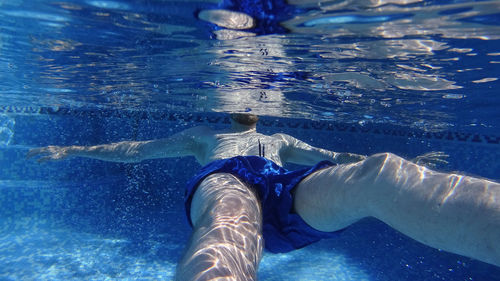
(376, 164)
(381, 158)
(376, 161)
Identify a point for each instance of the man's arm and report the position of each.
(299, 152)
(190, 142)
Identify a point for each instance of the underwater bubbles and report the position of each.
(6, 130)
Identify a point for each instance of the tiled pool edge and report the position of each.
(265, 121)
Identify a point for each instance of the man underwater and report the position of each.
(243, 197)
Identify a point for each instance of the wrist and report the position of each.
(75, 150)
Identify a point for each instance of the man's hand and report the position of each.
(49, 153)
(431, 159)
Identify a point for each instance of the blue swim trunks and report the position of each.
(283, 230)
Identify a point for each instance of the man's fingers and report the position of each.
(437, 154)
(441, 154)
(432, 159)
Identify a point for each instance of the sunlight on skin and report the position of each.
(455, 180)
(453, 208)
(451, 212)
(227, 242)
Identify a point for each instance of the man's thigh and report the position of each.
(227, 232)
(226, 195)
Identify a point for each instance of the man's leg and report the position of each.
(452, 212)
(226, 243)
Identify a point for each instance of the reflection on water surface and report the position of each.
(413, 63)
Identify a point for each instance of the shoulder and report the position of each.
(283, 137)
(201, 135)
(280, 136)
(193, 135)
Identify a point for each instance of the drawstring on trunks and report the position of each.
(262, 150)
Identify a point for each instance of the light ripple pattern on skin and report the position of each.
(230, 235)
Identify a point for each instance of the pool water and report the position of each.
(85, 219)
(407, 77)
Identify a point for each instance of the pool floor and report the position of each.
(37, 249)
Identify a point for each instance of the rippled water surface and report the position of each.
(427, 64)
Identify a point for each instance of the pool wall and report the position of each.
(137, 199)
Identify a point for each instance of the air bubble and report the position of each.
(6, 130)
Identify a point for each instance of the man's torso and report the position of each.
(227, 144)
